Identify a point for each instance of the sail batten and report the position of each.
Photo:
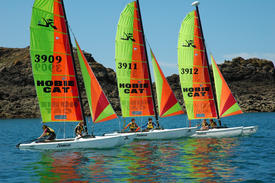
(193, 70)
(52, 64)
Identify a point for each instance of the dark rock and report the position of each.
(252, 82)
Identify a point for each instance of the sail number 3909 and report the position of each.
(45, 58)
(189, 71)
(126, 66)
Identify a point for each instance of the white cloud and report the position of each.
(169, 65)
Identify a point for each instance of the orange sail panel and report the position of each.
(131, 65)
(52, 63)
(193, 70)
(227, 104)
(167, 102)
(100, 107)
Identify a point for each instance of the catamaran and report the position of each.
(56, 81)
(197, 83)
(134, 78)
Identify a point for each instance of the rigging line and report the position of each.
(148, 67)
(74, 67)
(100, 87)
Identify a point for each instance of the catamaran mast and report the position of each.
(196, 4)
(76, 77)
(148, 68)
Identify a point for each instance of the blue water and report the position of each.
(241, 159)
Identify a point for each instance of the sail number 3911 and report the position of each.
(126, 66)
(189, 71)
(45, 58)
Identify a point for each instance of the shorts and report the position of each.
(51, 137)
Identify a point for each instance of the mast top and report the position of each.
(196, 3)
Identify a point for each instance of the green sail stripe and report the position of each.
(218, 83)
(108, 111)
(185, 59)
(86, 77)
(123, 53)
(173, 109)
(232, 109)
(42, 42)
(158, 80)
(44, 5)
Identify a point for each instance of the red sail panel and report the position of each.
(204, 103)
(66, 102)
(141, 103)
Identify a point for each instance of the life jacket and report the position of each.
(205, 124)
(150, 125)
(133, 125)
(213, 124)
(49, 131)
(78, 128)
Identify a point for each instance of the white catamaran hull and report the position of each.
(161, 134)
(249, 130)
(99, 142)
(219, 132)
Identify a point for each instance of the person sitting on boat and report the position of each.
(220, 123)
(48, 133)
(204, 125)
(213, 124)
(133, 126)
(79, 129)
(150, 125)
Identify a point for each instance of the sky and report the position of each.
(231, 28)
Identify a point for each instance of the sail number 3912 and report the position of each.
(189, 71)
(45, 58)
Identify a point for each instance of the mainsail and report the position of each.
(193, 70)
(52, 63)
(167, 102)
(100, 107)
(227, 104)
(131, 65)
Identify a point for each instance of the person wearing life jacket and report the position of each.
(48, 133)
(149, 125)
(79, 129)
(204, 125)
(133, 126)
(213, 124)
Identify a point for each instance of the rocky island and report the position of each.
(252, 82)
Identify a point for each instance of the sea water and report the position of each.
(239, 159)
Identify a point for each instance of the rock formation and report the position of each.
(252, 82)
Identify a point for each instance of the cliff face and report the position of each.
(252, 82)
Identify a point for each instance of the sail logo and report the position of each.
(129, 36)
(133, 88)
(50, 86)
(196, 91)
(189, 43)
(47, 23)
